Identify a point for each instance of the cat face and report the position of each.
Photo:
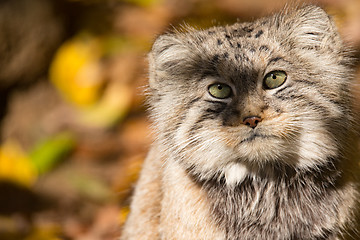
(232, 99)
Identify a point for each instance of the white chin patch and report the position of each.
(235, 174)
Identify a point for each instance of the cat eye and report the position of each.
(274, 79)
(220, 90)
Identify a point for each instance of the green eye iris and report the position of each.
(220, 90)
(274, 79)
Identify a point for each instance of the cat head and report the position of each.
(228, 100)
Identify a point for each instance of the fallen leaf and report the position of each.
(47, 153)
(15, 165)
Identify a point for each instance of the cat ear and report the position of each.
(167, 57)
(312, 28)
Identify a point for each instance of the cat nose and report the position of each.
(252, 121)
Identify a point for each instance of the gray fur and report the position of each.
(294, 176)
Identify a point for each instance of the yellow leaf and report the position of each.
(15, 165)
(124, 212)
(45, 232)
(144, 3)
(76, 70)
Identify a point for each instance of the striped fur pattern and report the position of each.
(290, 177)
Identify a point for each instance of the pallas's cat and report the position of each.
(255, 136)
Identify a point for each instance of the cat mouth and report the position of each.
(255, 136)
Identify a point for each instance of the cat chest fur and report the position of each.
(290, 206)
(278, 204)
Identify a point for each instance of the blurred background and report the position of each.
(73, 126)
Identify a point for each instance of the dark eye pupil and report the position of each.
(273, 76)
(219, 87)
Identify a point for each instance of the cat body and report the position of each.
(255, 136)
